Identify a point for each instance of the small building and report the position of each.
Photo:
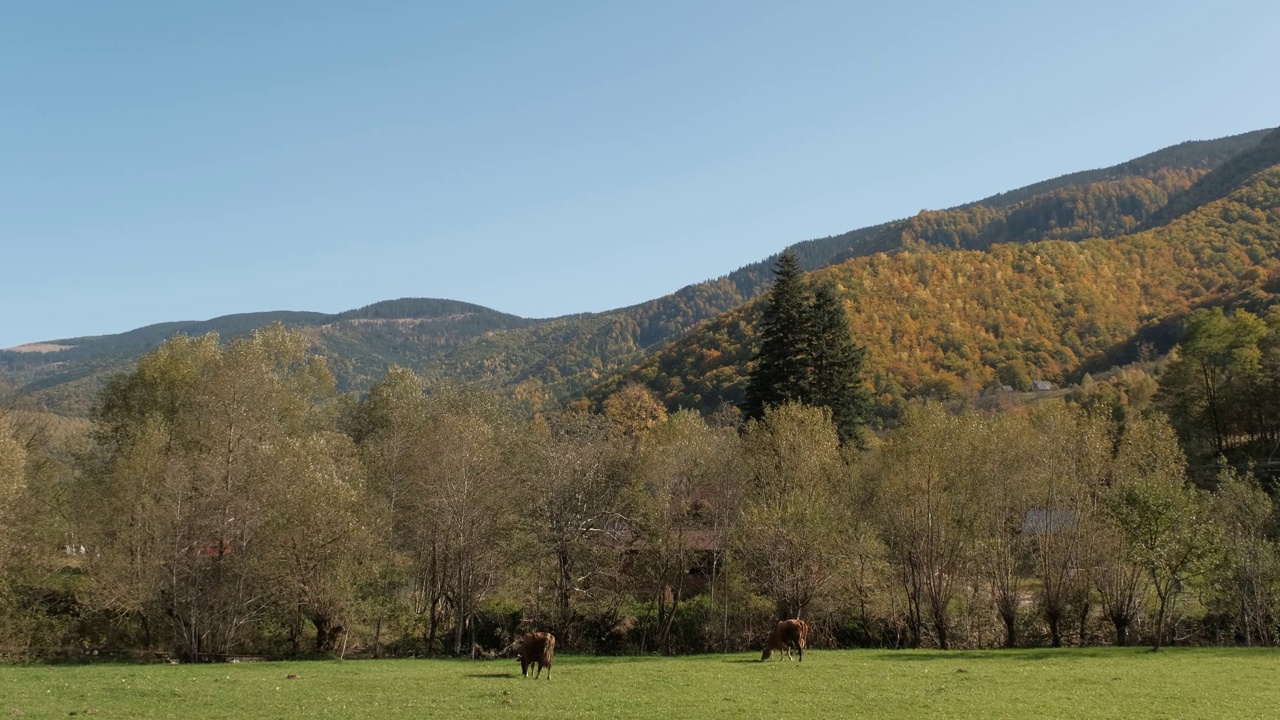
(1041, 385)
(1047, 521)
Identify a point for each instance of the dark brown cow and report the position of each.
(537, 648)
(788, 634)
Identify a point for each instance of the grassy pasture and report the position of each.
(1088, 683)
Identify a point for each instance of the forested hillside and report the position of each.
(359, 344)
(543, 362)
(229, 498)
(575, 353)
(1223, 180)
(946, 324)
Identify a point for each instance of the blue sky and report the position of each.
(180, 161)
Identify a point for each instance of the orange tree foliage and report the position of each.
(540, 363)
(942, 324)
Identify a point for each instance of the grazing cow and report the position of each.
(538, 648)
(788, 634)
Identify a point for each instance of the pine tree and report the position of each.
(807, 354)
(781, 369)
(836, 363)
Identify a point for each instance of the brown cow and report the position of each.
(788, 634)
(537, 648)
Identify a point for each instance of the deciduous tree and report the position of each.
(791, 537)
(1163, 519)
(685, 486)
(183, 498)
(13, 481)
(1244, 574)
(1073, 453)
(928, 516)
(576, 512)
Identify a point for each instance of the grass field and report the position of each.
(1091, 683)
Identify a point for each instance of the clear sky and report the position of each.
(183, 160)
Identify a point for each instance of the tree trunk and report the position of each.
(327, 633)
(146, 631)
(295, 630)
(915, 614)
(457, 632)
(433, 625)
(1160, 620)
(1211, 394)
(1055, 628)
(1084, 623)
(1246, 623)
(461, 605)
(433, 600)
(1122, 630)
(1010, 629)
(665, 636)
(940, 626)
(724, 598)
(565, 590)
(471, 637)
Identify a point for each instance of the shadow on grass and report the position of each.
(1015, 655)
(742, 660)
(492, 676)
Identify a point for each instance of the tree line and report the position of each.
(231, 501)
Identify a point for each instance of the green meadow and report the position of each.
(1072, 683)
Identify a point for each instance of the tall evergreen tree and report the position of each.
(836, 362)
(781, 369)
(807, 354)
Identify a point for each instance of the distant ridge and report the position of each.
(1222, 181)
(542, 362)
(1198, 154)
(950, 323)
(150, 336)
(411, 308)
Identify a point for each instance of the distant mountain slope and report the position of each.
(360, 345)
(1106, 208)
(1222, 181)
(1201, 155)
(541, 362)
(570, 355)
(945, 324)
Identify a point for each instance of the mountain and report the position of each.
(944, 322)
(564, 357)
(1222, 180)
(540, 362)
(65, 375)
